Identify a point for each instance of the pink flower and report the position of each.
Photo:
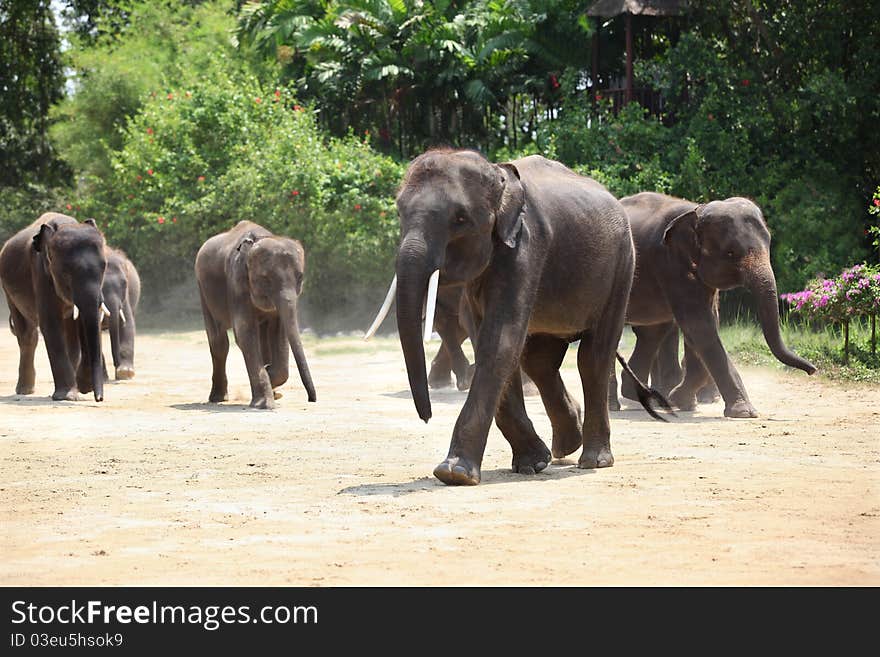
(357, 206)
(877, 202)
(170, 96)
(161, 220)
(201, 179)
(258, 100)
(297, 108)
(69, 206)
(150, 171)
(277, 94)
(173, 220)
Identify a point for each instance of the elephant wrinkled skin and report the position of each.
(250, 281)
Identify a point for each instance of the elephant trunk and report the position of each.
(90, 330)
(287, 308)
(413, 271)
(762, 283)
(113, 323)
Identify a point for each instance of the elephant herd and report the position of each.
(524, 258)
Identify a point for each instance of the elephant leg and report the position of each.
(595, 359)
(124, 358)
(708, 394)
(218, 343)
(27, 336)
(278, 357)
(530, 454)
(701, 337)
(613, 401)
(440, 375)
(666, 372)
(648, 340)
(542, 358)
(248, 339)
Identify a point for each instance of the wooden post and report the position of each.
(594, 64)
(629, 60)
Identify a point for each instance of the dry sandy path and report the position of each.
(155, 487)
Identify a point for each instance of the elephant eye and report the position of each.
(460, 220)
(730, 254)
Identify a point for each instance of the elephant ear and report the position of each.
(511, 206)
(681, 232)
(41, 238)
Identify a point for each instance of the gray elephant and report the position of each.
(546, 258)
(686, 254)
(122, 292)
(250, 281)
(52, 272)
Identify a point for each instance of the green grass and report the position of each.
(823, 347)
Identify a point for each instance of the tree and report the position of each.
(31, 80)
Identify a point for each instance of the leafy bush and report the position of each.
(196, 161)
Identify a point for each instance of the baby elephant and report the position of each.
(250, 280)
(122, 291)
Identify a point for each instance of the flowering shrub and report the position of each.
(855, 292)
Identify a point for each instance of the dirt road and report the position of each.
(156, 487)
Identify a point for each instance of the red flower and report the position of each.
(170, 96)
(277, 94)
(295, 192)
(258, 100)
(161, 220)
(877, 202)
(150, 171)
(297, 108)
(201, 179)
(69, 207)
(357, 206)
(745, 83)
(149, 131)
(139, 178)
(598, 96)
(173, 220)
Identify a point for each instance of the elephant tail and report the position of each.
(647, 395)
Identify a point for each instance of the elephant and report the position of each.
(52, 272)
(250, 281)
(545, 258)
(122, 291)
(687, 252)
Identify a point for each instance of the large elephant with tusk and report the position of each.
(250, 281)
(545, 258)
(52, 272)
(686, 254)
(122, 292)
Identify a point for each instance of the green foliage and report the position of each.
(31, 79)
(194, 162)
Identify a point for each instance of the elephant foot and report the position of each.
(533, 460)
(463, 382)
(740, 409)
(708, 395)
(124, 373)
(263, 403)
(596, 457)
(439, 379)
(682, 400)
(218, 396)
(566, 442)
(66, 395)
(613, 403)
(458, 471)
(24, 389)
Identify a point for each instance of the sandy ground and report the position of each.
(156, 487)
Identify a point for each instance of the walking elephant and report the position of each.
(52, 272)
(250, 281)
(686, 254)
(545, 258)
(122, 292)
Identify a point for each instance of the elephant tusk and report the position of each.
(383, 311)
(431, 306)
(75, 312)
(121, 316)
(104, 308)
